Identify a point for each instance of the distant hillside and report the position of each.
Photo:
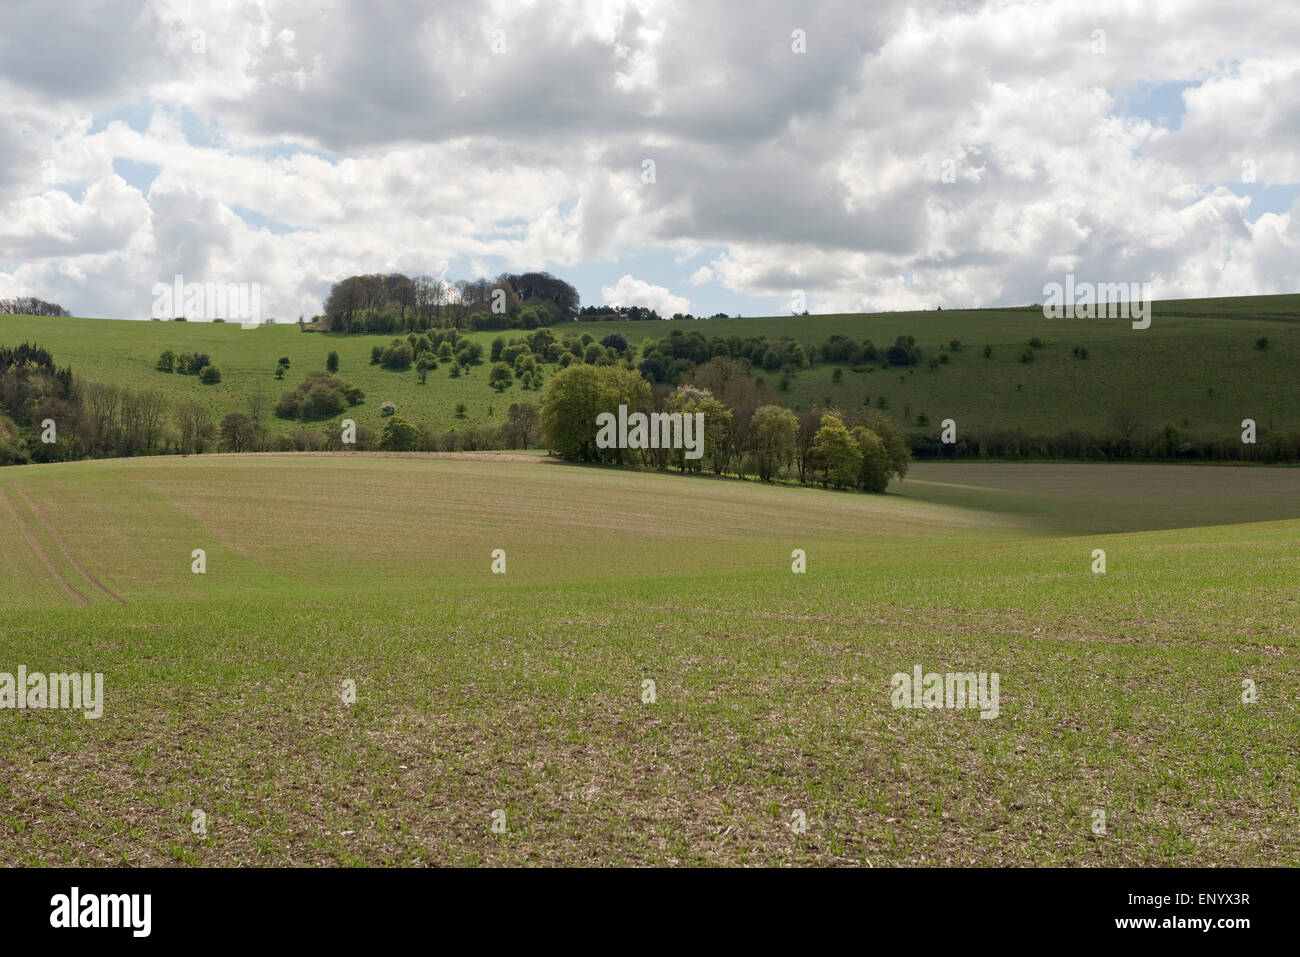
(1197, 367)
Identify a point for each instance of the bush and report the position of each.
(289, 406)
(501, 377)
(166, 362)
(319, 395)
(210, 375)
(387, 409)
(321, 401)
(399, 435)
(399, 355)
(332, 362)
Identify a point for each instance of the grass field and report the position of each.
(523, 692)
(1196, 367)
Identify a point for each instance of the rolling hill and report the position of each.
(648, 682)
(1197, 367)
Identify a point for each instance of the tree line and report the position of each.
(392, 303)
(31, 306)
(744, 434)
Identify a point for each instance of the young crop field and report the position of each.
(648, 681)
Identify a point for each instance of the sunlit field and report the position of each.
(529, 692)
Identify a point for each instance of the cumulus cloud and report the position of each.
(918, 154)
(635, 292)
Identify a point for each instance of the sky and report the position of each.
(754, 159)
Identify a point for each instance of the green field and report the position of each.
(522, 692)
(1196, 367)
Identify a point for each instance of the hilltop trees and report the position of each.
(31, 306)
(396, 303)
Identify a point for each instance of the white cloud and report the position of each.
(635, 292)
(823, 172)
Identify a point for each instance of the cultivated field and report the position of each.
(523, 692)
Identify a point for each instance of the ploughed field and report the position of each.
(526, 692)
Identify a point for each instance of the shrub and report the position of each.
(320, 394)
(332, 362)
(501, 377)
(387, 408)
(398, 355)
(210, 375)
(322, 401)
(166, 362)
(289, 406)
(399, 435)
